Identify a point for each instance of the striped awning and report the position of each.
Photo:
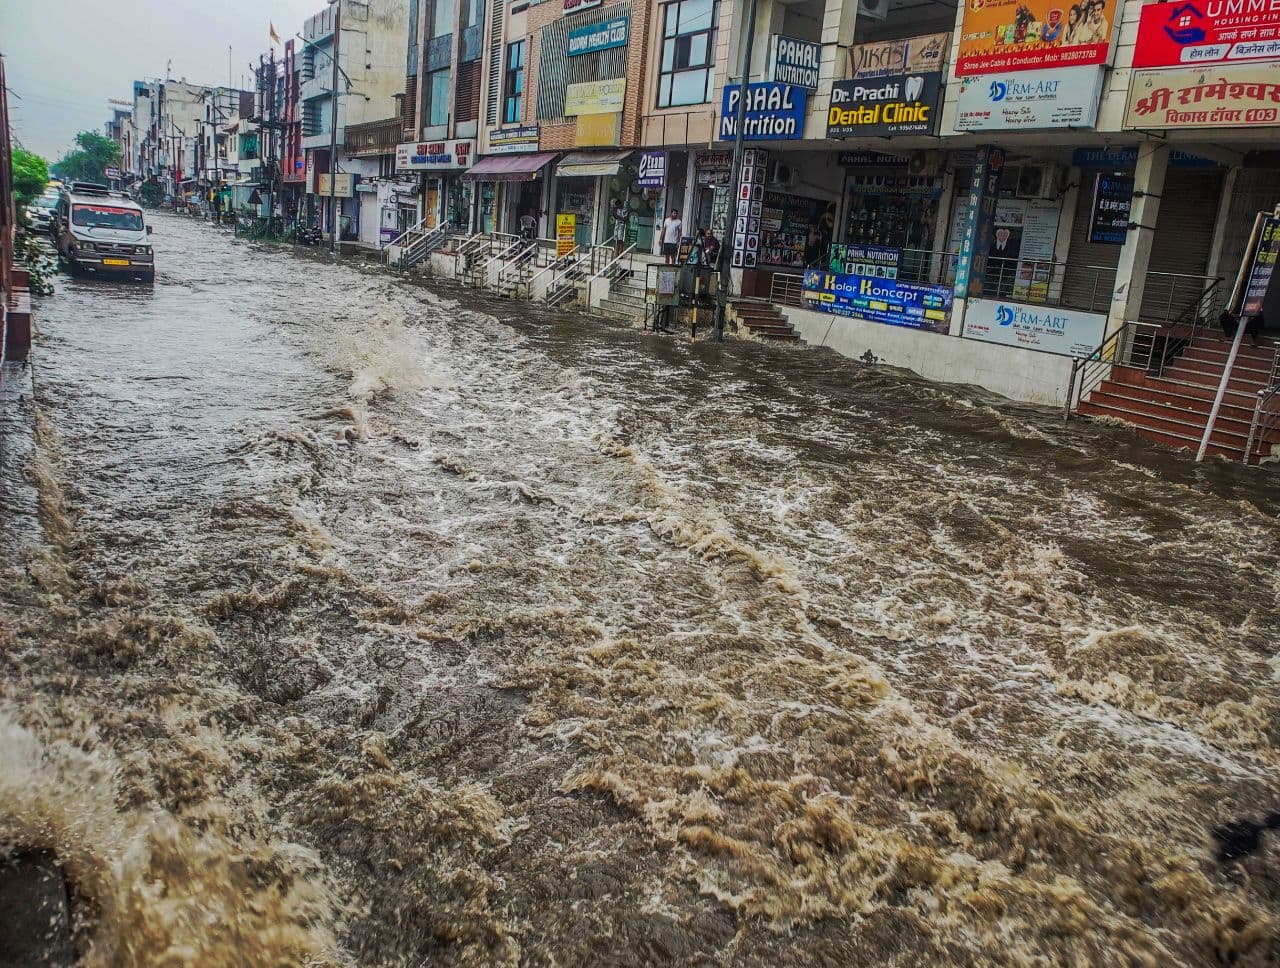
(591, 164)
(509, 168)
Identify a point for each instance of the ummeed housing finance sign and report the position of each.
(1047, 328)
(900, 104)
(1218, 32)
(878, 300)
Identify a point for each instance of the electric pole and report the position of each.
(333, 131)
(735, 174)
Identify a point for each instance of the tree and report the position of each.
(30, 175)
(93, 154)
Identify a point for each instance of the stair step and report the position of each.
(1119, 397)
(1172, 424)
(1181, 439)
(1136, 377)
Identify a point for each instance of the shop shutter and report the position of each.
(1184, 235)
(1256, 190)
(467, 97)
(1085, 283)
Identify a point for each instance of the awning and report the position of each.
(591, 164)
(509, 168)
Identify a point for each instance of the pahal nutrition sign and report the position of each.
(899, 104)
(1212, 97)
(795, 62)
(775, 112)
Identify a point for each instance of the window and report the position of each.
(513, 84)
(438, 97)
(442, 17)
(688, 52)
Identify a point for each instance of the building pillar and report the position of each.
(1066, 225)
(1131, 271)
(1220, 225)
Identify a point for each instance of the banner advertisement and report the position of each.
(978, 224)
(1264, 264)
(877, 261)
(914, 55)
(896, 104)
(1126, 156)
(566, 227)
(1218, 97)
(1018, 256)
(775, 112)
(1109, 214)
(998, 36)
(343, 184)
(750, 210)
(576, 6)
(594, 37)
(455, 155)
(1030, 100)
(1051, 329)
(878, 300)
(514, 141)
(597, 130)
(794, 62)
(595, 97)
(651, 170)
(1218, 32)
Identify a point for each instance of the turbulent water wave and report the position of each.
(466, 636)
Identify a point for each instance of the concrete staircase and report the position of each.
(1173, 408)
(625, 301)
(762, 320)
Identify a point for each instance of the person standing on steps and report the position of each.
(621, 216)
(671, 229)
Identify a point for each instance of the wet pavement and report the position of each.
(371, 622)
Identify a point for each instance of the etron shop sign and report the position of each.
(1031, 35)
(901, 104)
(878, 300)
(775, 112)
(1213, 32)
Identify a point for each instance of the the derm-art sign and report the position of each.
(1050, 329)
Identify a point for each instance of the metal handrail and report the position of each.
(628, 253)
(399, 239)
(553, 267)
(1264, 418)
(786, 288)
(516, 245)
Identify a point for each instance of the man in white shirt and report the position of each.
(672, 227)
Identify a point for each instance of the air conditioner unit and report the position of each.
(783, 176)
(873, 9)
(925, 164)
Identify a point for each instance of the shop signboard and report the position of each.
(878, 300)
(883, 106)
(1126, 156)
(877, 261)
(750, 211)
(651, 170)
(978, 223)
(576, 6)
(343, 184)
(913, 55)
(872, 159)
(1109, 213)
(1216, 97)
(111, 172)
(595, 97)
(775, 112)
(597, 130)
(452, 155)
(514, 141)
(1003, 36)
(594, 37)
(1264, 264)
(795, 62)
(1029, 100)
(566, 229)
(1051, 329)
(1216, 32)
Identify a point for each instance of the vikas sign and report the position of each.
(436, 155)
(1213, 32)
(903, 104)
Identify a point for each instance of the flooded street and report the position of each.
(368, 622)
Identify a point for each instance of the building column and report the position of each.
(1220, 225)
(1131, 271)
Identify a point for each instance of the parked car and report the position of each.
(103, 232)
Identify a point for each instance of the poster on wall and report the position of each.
(1109, 213)
(896, 104)
(1065, 98)
(914, 55)
(1178, 34)
(1217, 97)
(1018, 255)
(1028, 35)
(775, 112)
(1264, 264)
(1050, 329)
(566, 229)
(795, 231)
(878, 300)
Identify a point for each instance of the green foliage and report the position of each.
(39, 260)
(30, 175)
(93, 154)
(151, 194)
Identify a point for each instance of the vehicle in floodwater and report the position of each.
(102, 232)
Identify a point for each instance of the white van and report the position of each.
(103, 232)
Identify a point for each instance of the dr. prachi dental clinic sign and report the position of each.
(878, 300)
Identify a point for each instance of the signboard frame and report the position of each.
(1018, 101)
(799, 62)
(1244, 95)
(767, 101)
(913, 100)
(878, 300)
(1187, 34)
(996, 39)
(1109, 211)
(1034, 327)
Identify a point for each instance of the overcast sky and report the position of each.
(65, 58)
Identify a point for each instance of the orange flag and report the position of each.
(271, 32)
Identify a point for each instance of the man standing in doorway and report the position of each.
(620, 218)
(671, 229)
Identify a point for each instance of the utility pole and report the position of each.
(735, 174)
(333, 131)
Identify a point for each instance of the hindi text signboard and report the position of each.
(1216, 32)
(1214, 97)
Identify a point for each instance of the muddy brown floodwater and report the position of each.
(366, 622)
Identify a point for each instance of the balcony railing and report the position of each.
(373, 137)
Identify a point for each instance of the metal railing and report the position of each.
(562, 269)
(613, 266)
(786, 288)
(1266, 414)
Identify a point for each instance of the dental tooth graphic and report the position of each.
(914, 86)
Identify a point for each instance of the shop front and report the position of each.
(588, 185)
(442, 166)
(510, 186)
